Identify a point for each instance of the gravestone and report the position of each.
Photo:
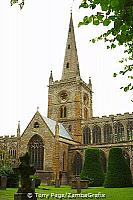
(26, 191)
(78, 185)
(3, 182)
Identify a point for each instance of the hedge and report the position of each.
(118, 171)
(92, 169)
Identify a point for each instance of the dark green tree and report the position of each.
(92, 169)
(119, 13)
(118, 172)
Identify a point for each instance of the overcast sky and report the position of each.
(32, 42)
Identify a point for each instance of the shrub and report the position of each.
(12, 179)
(36, 179)
(92, 169)
(118, 172)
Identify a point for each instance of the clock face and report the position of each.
(63, 96)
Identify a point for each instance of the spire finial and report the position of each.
(71, 10)
(89, 80)
(18, 129)
(37, 108)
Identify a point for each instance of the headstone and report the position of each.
(57, 183)
(3, 182)
(78, 185)
(26, 190)
(33, 184)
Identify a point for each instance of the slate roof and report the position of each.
(62, 131)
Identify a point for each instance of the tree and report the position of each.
(6, 166)
(92, 169)
(119, 13)
(21, 4)
(118, 172)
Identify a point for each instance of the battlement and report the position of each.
(118, 116)
(6, 137)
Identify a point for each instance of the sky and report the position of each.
(32, 43)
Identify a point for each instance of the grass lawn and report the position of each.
(111, 193)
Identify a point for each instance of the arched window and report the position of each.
(36, 151)
(86, 136)
(107, 133)
(77, 164)
(127, 157)
(96, 132)
(119, 132)
(12, 153)
(67, 65)
(130, 130)
(63, 112)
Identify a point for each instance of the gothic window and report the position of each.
(86, 136)
(85, 113)
(67, 65)
(12, 153)
(130, 130)
(77, 164)
(96, 132)
(119, 132)
(63, 112)
(69, 29)
(107, 133)
(36, 152)
(69, 46)
(36, 125)
(126, 156)
(85, 99)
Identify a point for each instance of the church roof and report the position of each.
(62, 131)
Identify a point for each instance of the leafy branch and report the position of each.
(119, 13)
(21, 4)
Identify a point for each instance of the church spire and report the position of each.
(71, 64)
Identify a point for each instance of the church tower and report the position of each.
(70, 99)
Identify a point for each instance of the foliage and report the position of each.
(12, 179)
(119, 13)
(21, 4)
(92, 169)
(118, 172)
(5, 159)
(37, 180)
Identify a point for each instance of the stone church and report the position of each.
(57, 143)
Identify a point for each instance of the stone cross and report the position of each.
(25, 170)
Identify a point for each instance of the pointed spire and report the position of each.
(51, 78)
(18, 129)
(71, 64)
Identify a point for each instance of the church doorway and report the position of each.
(36, 152)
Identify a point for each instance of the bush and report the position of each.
(37, 180)
(118, 172)
(12, 179)
(92, 169)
